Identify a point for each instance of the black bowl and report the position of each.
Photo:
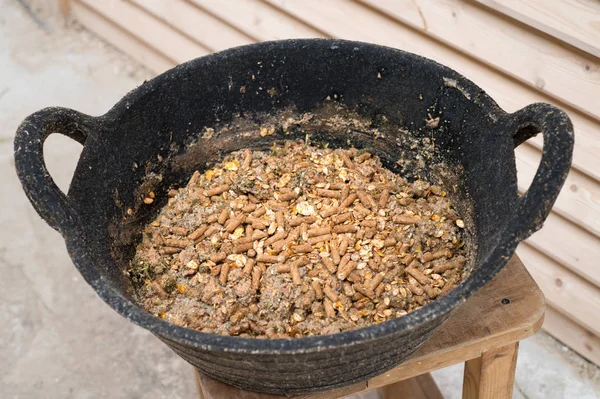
(154, 124)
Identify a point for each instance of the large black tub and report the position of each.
(139, 145)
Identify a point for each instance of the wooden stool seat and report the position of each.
(484, 333)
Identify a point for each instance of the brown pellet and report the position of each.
(280, 235)
(247, 159)
(256, 274)
(442, 267)
(337, 219)
(196, 234)
(348, 289)
(253, 199)
(368, 223)
(379, 290)
(430, 291)
(372, 284)
(212, 218)
(243, 240)
(362, 157)
(278, 246)
(251, 253)
(362, 290)
(328, 193)
(215, 270)
(248, 267)
(405, 246)
(240, 248)
(248, 208)
(319, 231)
(177, 243)
(408, 259)
(171, 250)
(354, 277)
(289, 196)
(360, 234)
(405, 219)
(249, 230)
(218, 257)
(367, 200)
(180, 231)
(318, 239)
(259, 235)
(302, 219)
(329, 310)
(283, 268)
(211, 230)
(172, 193)
(234, 223)
(258, 212)
(304, 248)
(389, 242)
(267, 258)
(330, 293)
(258, 225)
(344, 245)
(332, 210)
(331, 268)
(316, 286)
(414, 287)
(335, 252)
(224, 273)
(361, 210)
(223, 216)
(348, 201)
(277, 205)
(384, 198)
(347, 162)
(344, 228)
(296, 279)
(429, 256)
(345, 192)
(280, 219)
(345, 270)
(194, 179)
(418, 275)
(216, 190)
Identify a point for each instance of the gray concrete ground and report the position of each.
(57, 338)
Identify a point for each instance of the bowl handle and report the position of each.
(45, 196)
(535, 204)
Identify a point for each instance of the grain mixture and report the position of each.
(295, 242)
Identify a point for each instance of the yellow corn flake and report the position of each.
(305, 209)
(209, 174)
(192, 265)
(435, 218)
(284, 180)
(343, 174)
(181, 288)
(238, 232)
(232, 165)
(266, 131)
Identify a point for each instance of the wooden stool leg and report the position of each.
(492, 375)
(420, 387)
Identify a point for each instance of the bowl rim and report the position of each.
(486, 270)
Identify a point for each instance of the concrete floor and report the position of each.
(58, 339)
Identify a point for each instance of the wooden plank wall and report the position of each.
(519, 51)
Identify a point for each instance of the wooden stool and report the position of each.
(484, 333)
